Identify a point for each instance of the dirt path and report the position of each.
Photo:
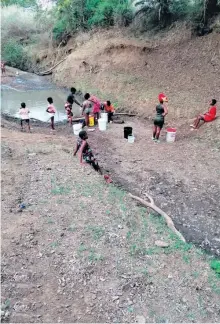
(83, 251)
(183, 177)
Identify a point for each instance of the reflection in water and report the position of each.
(36, 101)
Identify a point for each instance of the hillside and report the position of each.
(131, 72)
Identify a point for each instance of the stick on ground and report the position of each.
(167, 218)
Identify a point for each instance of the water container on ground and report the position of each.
(77, 128)
(104, 116)
(131, 139)
(127, 131)
(171, 135)
(91, 121)
(102, 124)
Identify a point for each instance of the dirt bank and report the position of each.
(132, 72)
(82, 251)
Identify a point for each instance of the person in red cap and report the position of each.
(161, 112)
(206, 117)
(162, 97)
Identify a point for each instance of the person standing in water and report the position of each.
(24, 113)
(69, 104)
(161, 112)
(51, 111)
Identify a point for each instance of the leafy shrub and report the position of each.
(15, 55)
(215, 265)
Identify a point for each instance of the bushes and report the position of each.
(17, 22)
(73, 15)
(15, 55)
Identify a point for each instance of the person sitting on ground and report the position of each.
(85, 152)
(51, 111)
(110, 110)
(161, 112)
(69, 104)
(86, 109)
(206, 117)
(24, 113)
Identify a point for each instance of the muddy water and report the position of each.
(34, 91)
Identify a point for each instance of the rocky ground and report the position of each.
(82, 251)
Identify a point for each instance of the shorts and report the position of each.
(87, 111)
(25, 120)
(159, 123)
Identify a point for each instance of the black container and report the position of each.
(127, 131)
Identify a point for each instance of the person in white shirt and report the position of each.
(51, 111)
(24, 113)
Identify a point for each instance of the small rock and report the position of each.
(115, 298)
(102, 279)
(184, 300)
(170, 276)
(161, 244)
(32, 154)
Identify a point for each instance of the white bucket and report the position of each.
(102, 124)
(104, 116)
(171, 135)
(131, 139)
(77, 128)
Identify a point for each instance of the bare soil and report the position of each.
(81, 250)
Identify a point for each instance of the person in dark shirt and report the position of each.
(69, 103)
(161, 112)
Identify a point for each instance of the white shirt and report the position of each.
(24, 113)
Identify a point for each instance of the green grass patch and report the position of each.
(215, 265)
(96, 231)
(94, 257)
(82, 248)
(54, 244)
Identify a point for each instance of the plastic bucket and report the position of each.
(102, 124)
(77, 128)
(104, 116)
(127, 131)
(171, 135)
(131, 139)
(91, 121)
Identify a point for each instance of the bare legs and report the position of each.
(156, 133)
(197, 121)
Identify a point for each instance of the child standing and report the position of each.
(85, 153)
(86, 109)
(69, 105)
(24, 113)
(51, 111)
(96, 106)
(110, 110)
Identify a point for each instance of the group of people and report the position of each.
(162, 111)
(92, 105)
